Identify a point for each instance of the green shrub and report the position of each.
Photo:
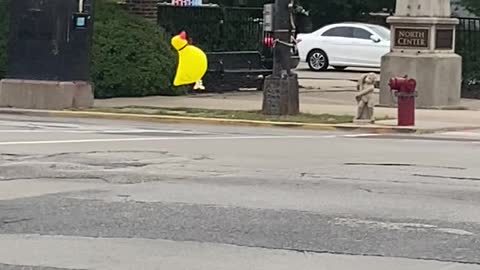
(131, 56)
(3, 36)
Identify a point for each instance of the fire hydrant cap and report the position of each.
(403, 84)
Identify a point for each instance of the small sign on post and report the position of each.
(412, 37)
(268, 11)
(444, 39)
(81, 21)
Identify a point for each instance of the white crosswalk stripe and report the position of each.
(471, 134)
(47, 127)
(12, 127)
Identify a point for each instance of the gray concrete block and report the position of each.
(439, 78)
(49, 95)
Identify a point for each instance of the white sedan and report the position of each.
(344, 45)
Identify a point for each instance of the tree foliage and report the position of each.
(329, 11)
(472, 5)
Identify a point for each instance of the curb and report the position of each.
(376, 129)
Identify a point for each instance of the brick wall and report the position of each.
(145, 8)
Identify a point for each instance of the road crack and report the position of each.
(448, 177)
(402, 165)
(13, 221)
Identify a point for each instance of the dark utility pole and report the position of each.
(281, 94)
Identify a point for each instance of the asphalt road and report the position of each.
(97, 194)
(350, 74)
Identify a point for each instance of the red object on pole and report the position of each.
(268, 42)
(405, 91)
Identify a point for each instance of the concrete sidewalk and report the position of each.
(317, 97)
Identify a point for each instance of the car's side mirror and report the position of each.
(375, 38)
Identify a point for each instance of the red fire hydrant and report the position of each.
(405, 91)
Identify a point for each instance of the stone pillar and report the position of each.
(423, 47)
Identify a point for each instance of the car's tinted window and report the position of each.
(361, 34)
(339, 32)
(383, 32)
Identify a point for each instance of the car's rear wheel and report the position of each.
(339, 68)
(317, 60)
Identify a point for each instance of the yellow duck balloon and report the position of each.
(192, 63)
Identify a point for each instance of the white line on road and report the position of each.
(161, 139)
(400, 226)
(38, 124)
(361, 135)
(462, 133)
(119, 131)
(6, 131)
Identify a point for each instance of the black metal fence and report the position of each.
(215, 28)
(468, 46)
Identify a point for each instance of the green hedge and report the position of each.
(3, 36)
(131, 56)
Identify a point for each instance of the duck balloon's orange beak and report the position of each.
(183, 35)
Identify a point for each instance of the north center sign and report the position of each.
(412, 38)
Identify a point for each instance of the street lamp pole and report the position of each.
(281, 89)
